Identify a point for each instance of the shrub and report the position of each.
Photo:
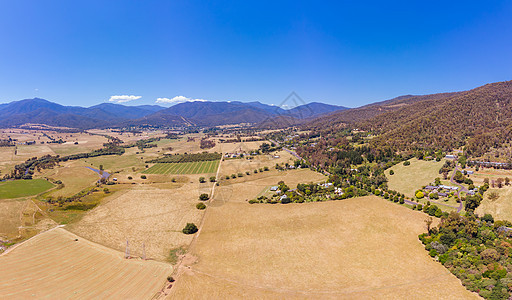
(402, 201)
(407, 163)
(204, 197)
(106, 191)
(200, 205)
(447, 238)
(252, 201)
(247, 172)
(170, 279)
(202, 180)
(143, 177)
(213, 179)
(265, 169)
(286, 200)
(227, 177)
(190, 228)
(432, 252)
(255, 171)
(490, 254)
(173, 179)
(130, 178)
(440, 248)
(240, 175)
(488, 218)
(419, 194)
(391, 172)
(233, 175)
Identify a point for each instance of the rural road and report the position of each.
(287, 150)
(461, 187)
(292, 152)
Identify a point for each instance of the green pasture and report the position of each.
(23, 188)
(197, 167)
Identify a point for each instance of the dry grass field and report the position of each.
(236, 147)
(119, 163)
(408, 179)
(53, 265)
(144, 214)
(128, 137)
(74, 175)
(359, 248)
(20, 219)
(501, 208)
(491, 174)
(233, 166)
(8, 159)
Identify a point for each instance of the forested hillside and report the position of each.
(480, 118)
(367, 112)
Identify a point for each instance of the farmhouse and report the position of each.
(338, 191)
(325, 185)
(450, 156)
(447, 187)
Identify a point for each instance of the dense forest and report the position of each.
(479, 119)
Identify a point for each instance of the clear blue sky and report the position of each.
(345, 53)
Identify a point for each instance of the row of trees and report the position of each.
(181, 158)
(48, 161)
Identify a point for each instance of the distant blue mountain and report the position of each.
(206, 113)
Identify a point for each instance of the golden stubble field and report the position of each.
(145, 215)
(359, 248)
(234, 166)
(53, 265)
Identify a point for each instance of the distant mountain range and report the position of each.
(40, 111)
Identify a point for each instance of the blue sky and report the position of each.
(348, 53)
